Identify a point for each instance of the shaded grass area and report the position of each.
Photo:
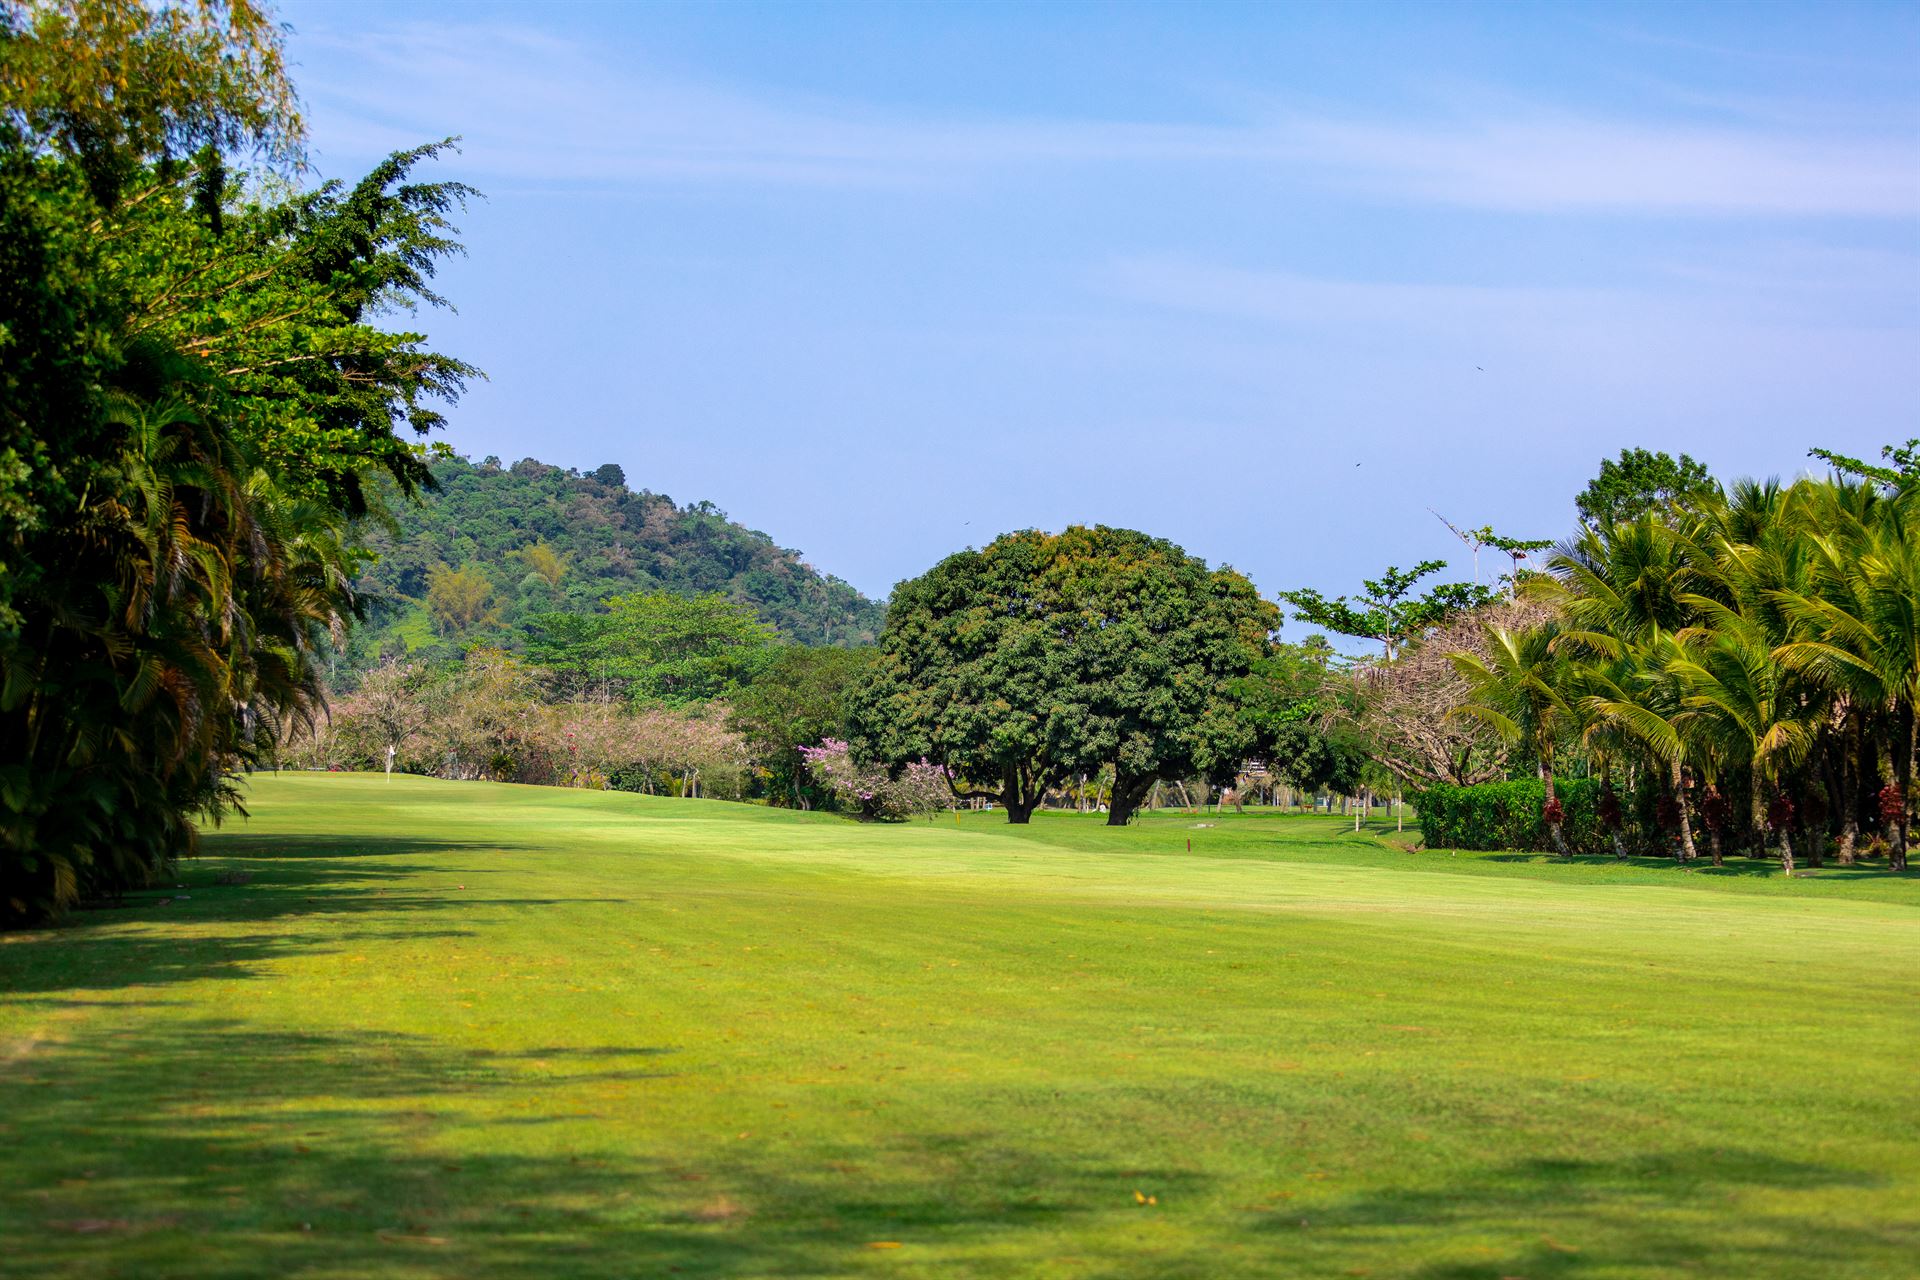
(469, 1030)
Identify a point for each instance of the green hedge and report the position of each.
(1506, 815)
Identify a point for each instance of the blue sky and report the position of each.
(887, 280)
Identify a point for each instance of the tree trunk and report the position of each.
(1907, 734)
(1786, 851)
(1687, 852)
(1128, 792)
(1713, 843)
(1897, 830)
(1554, 829)
(1021, 795)
(1846, 798)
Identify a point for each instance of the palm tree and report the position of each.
(1625, 590)
(1747, 704)
(1857, 630)
(1638, 697)
(170, 637)
(1617, 583)
(1518, 692)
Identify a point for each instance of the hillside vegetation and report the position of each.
(424, 1028)
(476, 562)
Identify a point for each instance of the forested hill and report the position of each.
(475, 562)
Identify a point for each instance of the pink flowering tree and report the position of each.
(870, 790)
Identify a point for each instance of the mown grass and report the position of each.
(457, 1029)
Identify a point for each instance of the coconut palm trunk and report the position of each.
(1554, 829)
(1687, 850)
(1896, 828)
(1844, 777)
(1908, 728)
(1758, 810)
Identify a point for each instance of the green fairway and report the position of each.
(417, 1028)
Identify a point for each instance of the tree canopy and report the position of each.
(546, 540)
(1389, 611)
(195, 404)
(1639, 481)
(1043, 655)
(798, 700)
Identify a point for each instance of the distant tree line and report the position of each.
(495, 554)
(664, 694)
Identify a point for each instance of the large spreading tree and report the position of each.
(1045, 655)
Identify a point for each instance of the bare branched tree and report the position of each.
(1407, 704)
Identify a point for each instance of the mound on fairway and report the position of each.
(415, 1028)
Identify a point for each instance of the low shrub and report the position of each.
(1507, 815)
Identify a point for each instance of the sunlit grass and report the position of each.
(456, 1029)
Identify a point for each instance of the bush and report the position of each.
(1507, 815)
(870, 791)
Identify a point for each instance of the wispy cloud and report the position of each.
(1545, 161)
(1729, 313)
(536, 108)
(1286, 299)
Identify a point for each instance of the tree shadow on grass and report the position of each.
(1689, 1211)
(297, 875)
(1734, 868)
(212, 1149)
(240, 845)
(68, 960)
(207, 928)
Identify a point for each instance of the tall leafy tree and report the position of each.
(676, 650)
(1044, 655)
(1639, 481)
(195, 402)
(1162, 641)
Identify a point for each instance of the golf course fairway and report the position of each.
(412, 1028)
